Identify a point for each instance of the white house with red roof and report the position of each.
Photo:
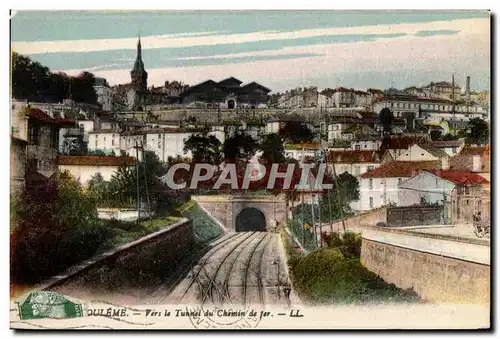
(436, 187)
(380, 187)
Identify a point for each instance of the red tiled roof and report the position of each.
(91, 160)
(446, 143)
(477, 150)
(401, 142)
(39, 115)
(398, 169)
(460, 177)
(352, 157)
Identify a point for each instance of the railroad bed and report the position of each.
(244, 268)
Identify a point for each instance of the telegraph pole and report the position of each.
(138, 203)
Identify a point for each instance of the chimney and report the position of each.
(467, 88)
(445, 164)
(477, 164)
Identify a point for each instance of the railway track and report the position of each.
(239, 270)
(247, 269)
(195, 277)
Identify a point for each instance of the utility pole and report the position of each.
(138, 203)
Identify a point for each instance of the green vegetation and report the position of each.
(124, 232)
(204, 228)
(205, 148)
(34, 82)
(302, 233)
(334, 275)
(56, 226)
(239, 147)
(272, 149)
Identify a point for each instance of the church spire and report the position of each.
(138, 74)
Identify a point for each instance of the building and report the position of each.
(421, 152)
(302, 152)
(83, 168)
(105, 140)
(451, 147)
(355, 163)
(379, 187)
(469, 198)
(474, 159)
(444, 89)
(34, 144)
(412, 108)
(17, 164)
(228, 94)
(105, 94)
(396, 145)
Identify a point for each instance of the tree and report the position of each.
(296, 132)
(56, 227)
(34, 82)
(436, 135)
(240, 147)
(478, 132)
(448, 137)
(386, 117)
(272, 149)
(334, 203)
(205, 148)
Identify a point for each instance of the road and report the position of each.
(243, 268)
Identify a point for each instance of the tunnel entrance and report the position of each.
(250, 219)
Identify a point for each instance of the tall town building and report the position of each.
(138, 74)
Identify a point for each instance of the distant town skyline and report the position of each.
(279, 49)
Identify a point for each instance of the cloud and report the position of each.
(459, 53)
(464, 26)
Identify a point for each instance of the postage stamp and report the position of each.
(250, 169)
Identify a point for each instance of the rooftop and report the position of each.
(39, 115)
(447, 143)
(401, 169)
(91, 160)
(353, 157)
(460, 177)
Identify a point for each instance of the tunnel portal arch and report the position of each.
(250, 219)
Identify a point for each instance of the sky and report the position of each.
(279, 49)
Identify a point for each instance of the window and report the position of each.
(34, 133)
(371, 203)
(370, 184)
(104, 140)
(400, 180)
(357, 147)
(366, 145)
(113, 142)
(96, 142)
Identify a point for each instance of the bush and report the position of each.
(349, 243)
(326, 276)
(56, 226)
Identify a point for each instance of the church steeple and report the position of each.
(138, 74)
